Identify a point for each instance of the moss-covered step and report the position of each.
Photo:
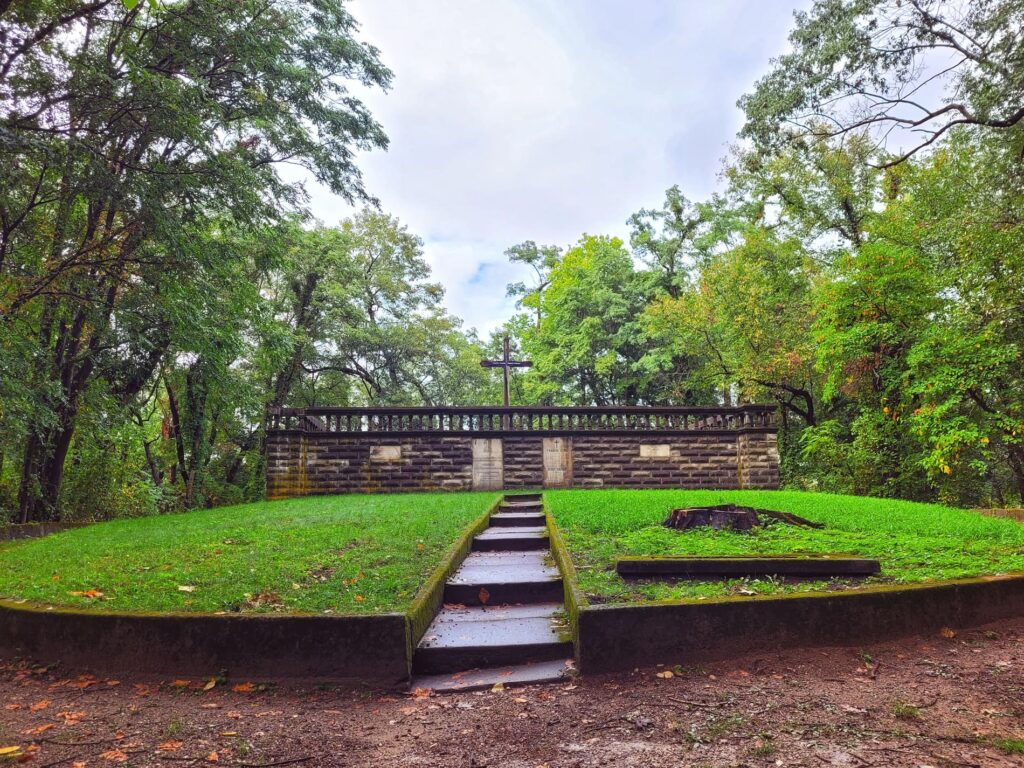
(807, 566)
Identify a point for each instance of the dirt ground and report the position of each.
(947, 700)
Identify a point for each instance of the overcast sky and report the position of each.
(516, 120)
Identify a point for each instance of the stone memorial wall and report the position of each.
(367, 450)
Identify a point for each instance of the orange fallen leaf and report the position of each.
(170, 746)
(91, 594)
(359, 598)
(78, 764)
(70, 718)
(115, 756)
(243, 688)
(484, 595)
(421, 693)
(947, 633)
(180, 683)
(39, 705)
(213, 757)
(40, 729)
(12, 707)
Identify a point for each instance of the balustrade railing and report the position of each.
(531, 420)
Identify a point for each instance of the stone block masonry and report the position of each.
(353, 450)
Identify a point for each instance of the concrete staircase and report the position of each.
(502, 620)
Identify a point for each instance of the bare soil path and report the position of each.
(941, 701)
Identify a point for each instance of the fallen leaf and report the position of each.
(484, 595)
(497, 688)
(243, 688)
(229, 733)
(666, 675)
(39, 705)
(40, 729)
(213, 757)
(78, 764)
(83, 682)
(211, 684)
(170, 746)
(359, 598)
(186, 588)
(10, 751)
(12, 707)
(180, 684)
(115, 756)
(421, 693)
(947, 633)
(70, 718)
(91, 594)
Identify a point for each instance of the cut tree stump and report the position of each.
(730, 517)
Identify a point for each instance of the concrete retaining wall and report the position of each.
(370, 648)
(615, 638)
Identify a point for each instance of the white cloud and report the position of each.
(521, 119)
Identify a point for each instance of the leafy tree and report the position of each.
(541, 260)
(127, 131)
(915, 69)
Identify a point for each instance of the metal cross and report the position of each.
(505, 364)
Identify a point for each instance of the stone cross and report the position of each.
(505, 364)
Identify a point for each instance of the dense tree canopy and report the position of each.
(161, 285)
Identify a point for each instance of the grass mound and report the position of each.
(346, 554)
(914, 542)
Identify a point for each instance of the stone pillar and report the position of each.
(286, 465)
(757, 460)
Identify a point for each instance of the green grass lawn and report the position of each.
(346, 554)
(914, 542)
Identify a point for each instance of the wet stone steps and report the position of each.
(516, 539)
(471, 637)
(517, 519)
(482, 679)
(503, 619)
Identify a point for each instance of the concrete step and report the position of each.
(534, 508)
(517, 519)
(522, 498)
(520, 539)
(468, 638)
(482, 679)
(508, 577)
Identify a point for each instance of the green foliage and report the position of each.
(914, 542)
(344, 554)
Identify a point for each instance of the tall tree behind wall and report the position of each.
(124, 129)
